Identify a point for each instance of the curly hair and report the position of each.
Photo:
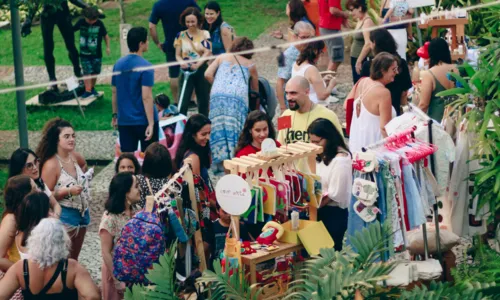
(245, 138)
(242, 44)
(48, 243)
(311, 52)
(34, 207)
(191, 11)
(16, 189)
(50, 139)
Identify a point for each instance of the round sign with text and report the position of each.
(233, 194)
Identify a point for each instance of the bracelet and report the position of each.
(69, 192)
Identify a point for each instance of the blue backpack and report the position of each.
(140, 245)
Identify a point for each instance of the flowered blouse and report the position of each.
(114, 223)
(192, 47)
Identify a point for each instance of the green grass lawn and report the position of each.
(248, 17)
(97, 115)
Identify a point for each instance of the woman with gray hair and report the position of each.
(48, 273)
(372, 105)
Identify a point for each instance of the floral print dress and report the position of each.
(112, 223)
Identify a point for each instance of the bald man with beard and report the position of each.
(303, 112)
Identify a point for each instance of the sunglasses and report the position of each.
(33, 164)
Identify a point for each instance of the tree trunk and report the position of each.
(122, 12)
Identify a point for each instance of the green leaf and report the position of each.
(453, 91)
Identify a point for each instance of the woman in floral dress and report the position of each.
(124, 192)
(230, 74)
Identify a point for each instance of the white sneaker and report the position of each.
(335, 92)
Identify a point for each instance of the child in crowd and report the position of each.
(92, 31)
(165, 109)
(216, 237)
(127, 162)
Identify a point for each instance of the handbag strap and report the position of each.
(149, 186)
(241, 68)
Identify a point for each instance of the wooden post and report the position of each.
(200, 247)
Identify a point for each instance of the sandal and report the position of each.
(277, 34)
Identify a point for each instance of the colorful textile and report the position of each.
(140, 245)
(228, 109)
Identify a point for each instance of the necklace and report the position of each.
(63, 161)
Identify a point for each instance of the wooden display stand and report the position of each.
(187, 175)
(457, 27)
(254, 162)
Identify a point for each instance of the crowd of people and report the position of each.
(47, 195)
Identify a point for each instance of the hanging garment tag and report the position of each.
(71, 83)
(284, 122)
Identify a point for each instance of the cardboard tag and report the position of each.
(71, 83)
(233, 194)
(284, 122)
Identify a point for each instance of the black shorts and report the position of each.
(131, 135)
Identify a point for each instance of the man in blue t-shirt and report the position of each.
(134, 112)
(169, 12)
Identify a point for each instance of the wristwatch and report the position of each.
(114, 115)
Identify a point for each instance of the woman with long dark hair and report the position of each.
(195, 146)
(24, 161)
(222, 34)
(436, 79)
(15, 190)
(34, 207)
(124, 192)
(306, 66)
(258, 127)
(382, 41)
(230, 75)
(296, 11)
(334, 166)
(63, 170)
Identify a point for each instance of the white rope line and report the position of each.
(279, 47)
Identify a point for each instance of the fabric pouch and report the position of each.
(365, 191)
(365, 162)
(367, 213)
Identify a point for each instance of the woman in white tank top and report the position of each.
(306, 66)
(372, 105)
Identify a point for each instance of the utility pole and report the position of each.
(22, 122)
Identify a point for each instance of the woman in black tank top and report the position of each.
(68, 278)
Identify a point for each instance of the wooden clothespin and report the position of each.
(150, 203)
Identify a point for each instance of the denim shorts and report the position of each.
(335, 45)
(91, 66)
(72, 218)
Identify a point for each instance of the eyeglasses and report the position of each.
(316, 142)
(302, 37)
(33, 164)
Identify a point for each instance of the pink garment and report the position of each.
(109, 291)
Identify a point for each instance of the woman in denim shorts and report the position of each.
(63, 172)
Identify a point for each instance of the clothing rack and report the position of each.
(286, 154)
(422, 116)
(187, 176)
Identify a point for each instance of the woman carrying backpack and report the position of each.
(124, 192)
